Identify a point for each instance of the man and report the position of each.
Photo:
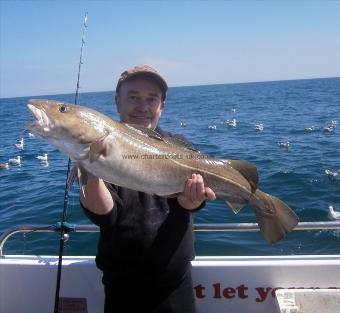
(146, 241)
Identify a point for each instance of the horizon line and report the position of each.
(184, 86)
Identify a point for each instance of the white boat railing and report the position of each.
(205, 227)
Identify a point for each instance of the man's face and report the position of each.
(139, 101)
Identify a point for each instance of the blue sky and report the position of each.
(190, 42)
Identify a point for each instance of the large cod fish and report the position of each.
(141, 159)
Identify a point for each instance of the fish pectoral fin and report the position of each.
(98, 148)
(72, 176)
(236, 206)
(247, 170)
(82, 179)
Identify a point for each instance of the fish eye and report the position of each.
(63, 109)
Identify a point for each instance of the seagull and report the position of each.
(43, 158)
(333, 215)
(330, 126)
(333, 175)
(232, 123)
(212, 126)
(329, 129)
(309, 129)
(20, 144)
(283, 144)
(4, 166)
(16, 161)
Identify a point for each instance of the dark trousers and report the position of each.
(148, 298)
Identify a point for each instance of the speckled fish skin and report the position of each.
(141, 159)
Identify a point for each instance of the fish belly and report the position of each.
(153, 176)
(164, 170)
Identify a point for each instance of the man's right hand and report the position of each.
(94, 195)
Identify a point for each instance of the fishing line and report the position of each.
(64, 228)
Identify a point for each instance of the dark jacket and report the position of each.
(144, 238)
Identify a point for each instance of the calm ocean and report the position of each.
(304, 113)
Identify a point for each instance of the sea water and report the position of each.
(289, 129)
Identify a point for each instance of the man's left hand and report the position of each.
(195, 193)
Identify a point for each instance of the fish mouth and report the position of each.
(42, 123)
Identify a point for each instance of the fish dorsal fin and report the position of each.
(176, 141)
(247, 170)
(179, 142)
(145, 131)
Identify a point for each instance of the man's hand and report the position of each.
(195, 193)
(93, 193)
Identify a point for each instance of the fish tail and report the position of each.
(274, 217)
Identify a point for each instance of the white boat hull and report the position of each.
(222, 284)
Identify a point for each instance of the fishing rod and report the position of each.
(65, 227)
